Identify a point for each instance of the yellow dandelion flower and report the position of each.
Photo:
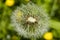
(9, 2)
(48, 36)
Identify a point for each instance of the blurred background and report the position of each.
(52, 7)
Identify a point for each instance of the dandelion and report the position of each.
(32, 21)
(9, 2)
(48, 36)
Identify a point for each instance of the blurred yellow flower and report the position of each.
(48, 36)
(9, 2)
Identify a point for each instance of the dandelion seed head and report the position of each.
(30, 21)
